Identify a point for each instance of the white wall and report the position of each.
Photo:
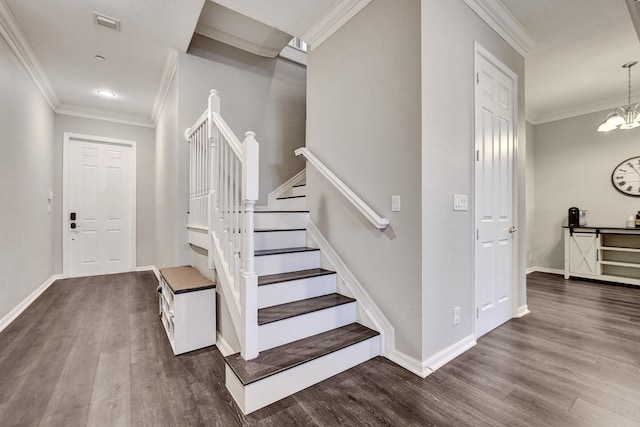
(573, 165)
(26, 176)
(145, 176)
(364, 124)
(449, 30)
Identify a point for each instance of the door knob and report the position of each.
(512, 229)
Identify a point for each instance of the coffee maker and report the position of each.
(574, 217)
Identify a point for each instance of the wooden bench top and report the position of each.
(185, 279)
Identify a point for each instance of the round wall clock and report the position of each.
(626, 177)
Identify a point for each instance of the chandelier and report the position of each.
(623, 117)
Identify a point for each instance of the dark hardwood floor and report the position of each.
(92, 351)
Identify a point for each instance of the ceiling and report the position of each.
(574, 67)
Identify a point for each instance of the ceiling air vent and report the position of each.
(106, 21)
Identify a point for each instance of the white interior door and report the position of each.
(495, 112)
(99, 221)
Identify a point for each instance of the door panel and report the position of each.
(494, 182)
(101, 189)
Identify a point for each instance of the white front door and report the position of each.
(495, 112)
(99, 206)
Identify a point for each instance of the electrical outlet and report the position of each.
(456, 316)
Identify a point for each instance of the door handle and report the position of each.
(512, 229)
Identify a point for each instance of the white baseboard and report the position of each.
(11, 316)
(522, 311)
(150, 268)
(224, 346)
(445, 356)
(545, 270)
(411, 364)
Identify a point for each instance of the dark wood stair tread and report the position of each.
(270, 279)
(260, 212)
(279, 359)
(274, 230)
(290, 197)
(299, 185)
(263, 252)
(297, 308)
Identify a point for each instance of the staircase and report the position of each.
(307, 332)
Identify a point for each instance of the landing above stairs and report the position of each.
(280, 359)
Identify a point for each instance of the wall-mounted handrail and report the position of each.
(353, 198)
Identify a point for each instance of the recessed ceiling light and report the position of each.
(106, 93)
(100, 58)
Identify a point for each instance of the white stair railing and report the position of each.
(357, 202)
(225, 172)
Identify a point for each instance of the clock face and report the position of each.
(626, 177)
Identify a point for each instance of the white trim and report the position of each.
(411, 364)
(445, 356)
(66, 164)
(580, 110)
(294, 55)
(223, 346)
(498, 17)
(366, 210)
(18, 309)
(17, 41)
(546, 270)
(150, 268)
(107, 116)
(522, 311)
(238, 42)
(374, 317)
(283, 189)
(168, 74)
(334, 19)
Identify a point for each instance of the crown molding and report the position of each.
(238, 42)
(567, 113)
(15, 38)
(334, 19)
(504, 23)
(108, 116)
(169, 72)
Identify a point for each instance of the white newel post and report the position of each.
(249, 290)
(212, 134)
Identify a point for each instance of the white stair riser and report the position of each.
(295, 290)
(280, 220)
(200, 238)
(298, 191)
(294, 204)
(284, 263)
(280, 239)
(295, 328)
(271, 389)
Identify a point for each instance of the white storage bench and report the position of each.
(187, 308)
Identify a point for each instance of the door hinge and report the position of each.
(477, 313)
(477, 155)
(477, 78)
(477, 234)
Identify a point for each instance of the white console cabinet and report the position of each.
(602, 253)
(187, 308)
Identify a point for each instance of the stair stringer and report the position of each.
(369, 314)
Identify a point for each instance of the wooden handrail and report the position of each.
(353, 198)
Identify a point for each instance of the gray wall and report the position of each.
(26, 176)
(264, 95)
(145, 176)
(167, 232)
(531, 191)
(573, 165)
(449, 30)
(364, 123)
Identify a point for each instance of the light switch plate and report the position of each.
(460, 202)
(395, 203)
